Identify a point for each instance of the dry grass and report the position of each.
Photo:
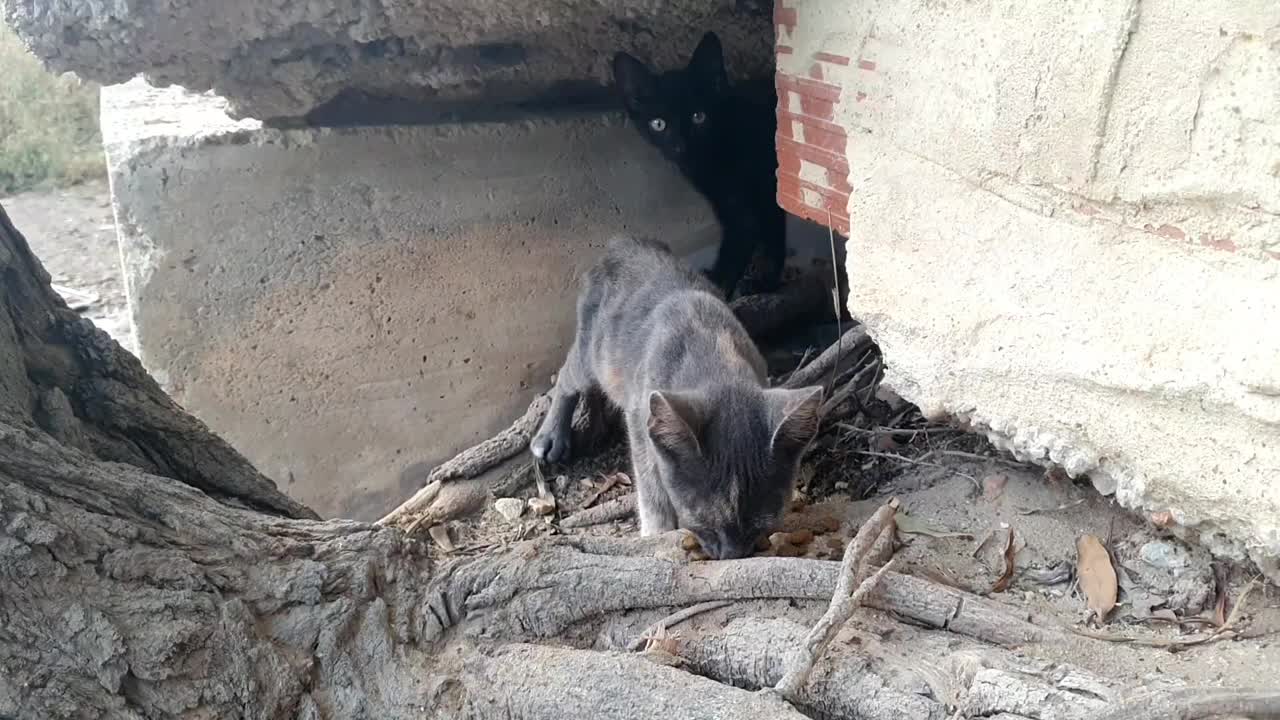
(48, 124)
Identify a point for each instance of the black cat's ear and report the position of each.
(799, 412)
(674, 421)
(707, 65)
(634, 80)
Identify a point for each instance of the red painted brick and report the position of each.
(818, 132)
(866, 64)
(831, 58)
(784, 50)
(785, 17)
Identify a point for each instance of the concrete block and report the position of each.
(1064, 228)
(343, 304)
(286, 58)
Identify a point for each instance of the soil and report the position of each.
(72, 231)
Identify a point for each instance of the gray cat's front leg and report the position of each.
(552, 441)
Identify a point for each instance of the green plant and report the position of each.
(49, 131)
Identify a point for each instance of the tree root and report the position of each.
(614, 509)
(1197, 703)
(536, 683)
(853, 570)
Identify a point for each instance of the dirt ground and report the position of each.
(961, 502)
(72, 231)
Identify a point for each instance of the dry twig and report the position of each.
(616, 508)
(853, 339)
(674, 619)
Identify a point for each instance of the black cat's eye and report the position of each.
(699, 118)
(657, 124)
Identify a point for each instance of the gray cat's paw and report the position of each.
(550, 445)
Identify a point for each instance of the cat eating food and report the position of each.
(713, 449)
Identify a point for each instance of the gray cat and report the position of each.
(713, 449)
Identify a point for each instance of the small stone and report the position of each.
(542, 505)
(841, 485)
(562, 484)
(690, 543)
(778, 538)
(509, 508)
(800, 537)
(1164, 555)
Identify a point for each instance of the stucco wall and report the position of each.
(1064, 227)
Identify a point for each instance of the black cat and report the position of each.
(723, 142)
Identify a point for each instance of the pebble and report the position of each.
(542, 506)
(1164, 555)
(509, 508)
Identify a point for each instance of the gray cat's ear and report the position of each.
(635, 82)
(674, 421)
(707, 64)
(798, 413)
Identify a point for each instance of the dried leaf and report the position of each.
(1220, 602)
(440, 533)
(911, 525)
(611, 481)
(1097, 576)
(1003, 583)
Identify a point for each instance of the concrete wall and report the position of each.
(1065, 228)
(286, 58)
(341, 305)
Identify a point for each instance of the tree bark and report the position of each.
(148, 571)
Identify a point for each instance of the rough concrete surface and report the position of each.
(283, 59)
(342, 305)
(1066, 230)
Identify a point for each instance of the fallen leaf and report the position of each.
(1220, 602)
(440, 533)
(1097, 576)
(911, 525)
(1007, 577)
(610, 482)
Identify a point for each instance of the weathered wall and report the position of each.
(284, 58)
(341, 305)
(1065, 228)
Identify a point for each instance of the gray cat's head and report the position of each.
(727, 459)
